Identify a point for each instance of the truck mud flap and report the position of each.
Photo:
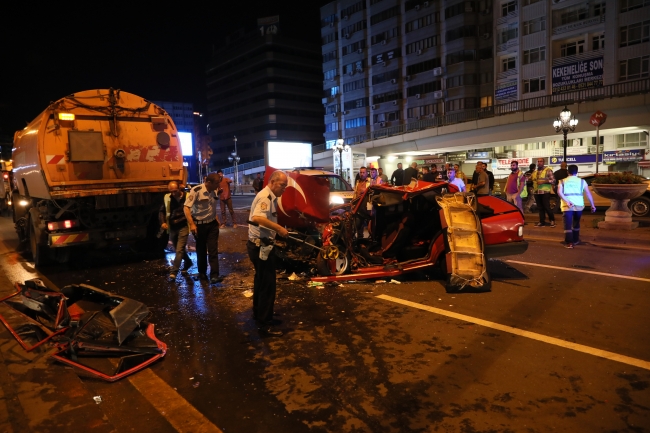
(465, 259)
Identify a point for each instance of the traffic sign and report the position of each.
(598, 118)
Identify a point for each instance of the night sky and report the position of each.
(155, 51)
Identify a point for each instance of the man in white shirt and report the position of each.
(452, 179)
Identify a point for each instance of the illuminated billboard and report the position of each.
(187, 144)
(288, 154)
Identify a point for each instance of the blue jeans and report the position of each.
(179, 240)
(572, 226)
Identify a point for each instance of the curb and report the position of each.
(636, 244)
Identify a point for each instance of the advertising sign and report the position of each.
(505, 163)
(288, 154)
(268, 25)
(506, 90)
(478, 155)
(623, 155)
(575, 159)
(583, 74)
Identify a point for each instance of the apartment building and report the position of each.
(387, 62)
(390, 64)
(262, 87)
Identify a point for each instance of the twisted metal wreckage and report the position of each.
(98, 332)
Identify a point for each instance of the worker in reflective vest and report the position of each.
(571, 191)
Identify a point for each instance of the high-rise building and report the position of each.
(263, 86)
(387, 62)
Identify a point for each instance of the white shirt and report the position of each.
(459, 183)
(202, 204)
(265, 205)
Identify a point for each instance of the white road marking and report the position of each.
(184, 417)
(532, 335)
(626, 277)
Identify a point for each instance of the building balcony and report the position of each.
(508, 73)
(578, 25)
(577, 57)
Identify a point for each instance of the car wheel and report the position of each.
(338, 266)
(640, 206)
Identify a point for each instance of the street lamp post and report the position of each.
(340, 147)
(565, 123)
(234, 158)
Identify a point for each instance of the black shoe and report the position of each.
(268, 330)
(197, 277)
(539, 225)
(215, 280)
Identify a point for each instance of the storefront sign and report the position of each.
(430, 161)
(623, 155)
(505, 163)
(459, 156)
(506, 90)
(583, 74)
(575, 159)
(478, 155)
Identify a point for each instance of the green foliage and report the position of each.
(618, 178)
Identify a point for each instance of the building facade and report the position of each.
(397, 72)
(260, 88)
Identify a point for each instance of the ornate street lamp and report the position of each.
(340, 147)
(234, 158)
(565, 123)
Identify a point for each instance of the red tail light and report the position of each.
(60, 225)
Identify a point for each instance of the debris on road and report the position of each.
(98, 399)
(248, 293)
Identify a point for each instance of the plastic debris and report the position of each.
(293, 277)
(196, 385)
(248, 293)
(98, 399)
(192, 378)
(395, 282)
(380, 281)
(314, 284)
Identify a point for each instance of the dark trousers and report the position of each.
(207, 247)
(227, 203)
(544, 207)
(572, 226)
(263, 284)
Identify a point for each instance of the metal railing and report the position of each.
(554, 100)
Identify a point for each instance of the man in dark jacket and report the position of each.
(411, 173)
(397, 178)
(490, 177)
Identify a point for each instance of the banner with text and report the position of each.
(575, 159)
(583, 74)
(624, 155)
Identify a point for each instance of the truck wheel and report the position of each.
(337, 267)
(40, 254)
(640, 206)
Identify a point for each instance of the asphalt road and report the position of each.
(560, 344)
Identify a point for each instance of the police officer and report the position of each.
(264, 214)
(201, 213)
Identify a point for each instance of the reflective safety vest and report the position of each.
(572, 188)
(544, 174)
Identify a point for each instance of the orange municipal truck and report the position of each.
(91, 170)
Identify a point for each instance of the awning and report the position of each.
(644, 164)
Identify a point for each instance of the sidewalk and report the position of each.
(638, 238)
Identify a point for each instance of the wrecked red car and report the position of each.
(98, 332)
(389, 231)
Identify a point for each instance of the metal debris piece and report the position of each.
(293, 277)
(98, 399)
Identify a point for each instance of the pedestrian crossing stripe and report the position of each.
(69, 238)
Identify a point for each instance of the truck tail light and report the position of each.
(60, 225)
(5, 176)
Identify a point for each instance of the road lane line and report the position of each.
(527, 334)
(184, 417)
(626, 277)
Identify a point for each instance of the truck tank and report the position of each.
(92, 170)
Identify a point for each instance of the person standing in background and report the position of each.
(383, 177)
(257, 184)
(490, 177)
(175, 222)
(571, 191)
(515, 185)
(558, 175)
(543, 181)
(530, 201)
(397, 178)
(428, 176)
(452, 179)
(226, 199)
(482, 185)
(410, 173)
(459, 174)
